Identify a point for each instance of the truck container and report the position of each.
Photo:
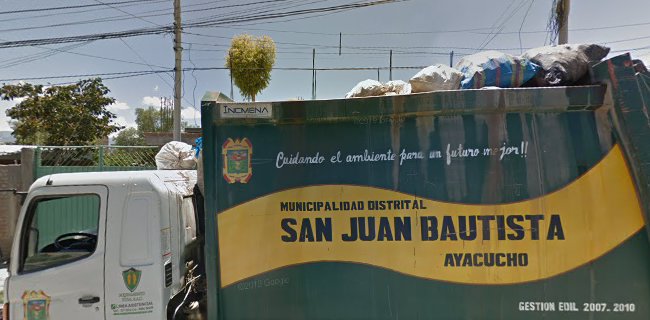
(527, 203)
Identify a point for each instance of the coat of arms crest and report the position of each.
(237, 160)
(36, 305)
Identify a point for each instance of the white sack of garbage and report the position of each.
(366, 88)
(434, 78)
(175, 155)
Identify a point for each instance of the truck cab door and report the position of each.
(57, 266)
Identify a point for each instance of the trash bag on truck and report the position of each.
(639, 66)
(397, 87)
(198, 154)
(564, 64)
(366, 88)
(175, 155)
(434, 78)
(494, 68)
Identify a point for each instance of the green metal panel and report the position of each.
(630, 94)
(65, 215)
(285, 239)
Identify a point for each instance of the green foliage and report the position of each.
(129, 137)
(154, 120)
(60, 115)
(250, 61)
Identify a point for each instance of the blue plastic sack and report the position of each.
(199, 145)
(495, 69)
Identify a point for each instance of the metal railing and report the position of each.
(58, 159)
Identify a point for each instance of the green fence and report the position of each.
(50, 160)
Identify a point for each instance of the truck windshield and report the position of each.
(59, 230)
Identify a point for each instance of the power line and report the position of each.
(416, 32)
(88, 37)
(89, 75)
(265, 8)
(70, 7)
(128, 13)
(165, 29)
(383, 53)
(165, 13)
(631, 49)
(521, 50)
(258, 17)
(168, 29)
(41, 55)
(146, 72)
(385, 49)
(502, 26)
(128, 16)
(72, 12)
(494, 24)
(145, 62)
(625, 40)
(77, 45)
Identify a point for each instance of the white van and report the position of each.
(107, 245)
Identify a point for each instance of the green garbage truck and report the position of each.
(527, 203)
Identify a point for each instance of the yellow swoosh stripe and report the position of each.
(597, 212)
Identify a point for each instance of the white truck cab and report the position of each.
(106, 245)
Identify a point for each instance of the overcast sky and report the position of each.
(420, 32)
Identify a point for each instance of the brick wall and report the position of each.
(160, 138)
(13, 177)
(10, 178)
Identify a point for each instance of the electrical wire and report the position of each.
(127, 16)
(73, 12)
(502, 26)
(250, 18)
(128, 13)
(496, 22)
(196, 82)
(72, 7)
(521, 50)
(146, 72)
(9, 63)
(169, 28)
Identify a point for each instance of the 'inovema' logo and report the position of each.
(246, 110)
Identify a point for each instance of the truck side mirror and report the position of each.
(22, 196)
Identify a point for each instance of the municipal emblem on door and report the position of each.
(131, 278)
(237, 160)
(36, 305)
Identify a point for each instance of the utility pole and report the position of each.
(313, 74)
(178, 50)
(232, 93)
(563, 36)
(390, 66)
